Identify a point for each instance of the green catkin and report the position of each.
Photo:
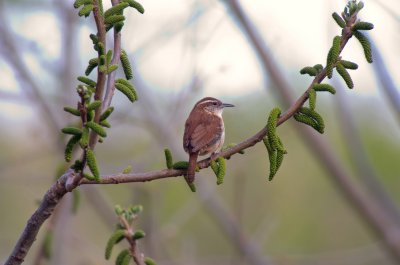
(106, 113)
(312, 98)
(105, 123)
(324, 87)
(214, 167)
(333, 55)
(329, 64)
(116, 10)
(111, 20)
(135, 5)
(136, 209)
(221, 170)
(103, 60)
(77, 166)
(90, 115)
(71, 130)
(85, 11)
(272, 165)
(94, 105)
(126, 65)
(168, 158)
(127, 170)
(271, 127)
(149, 261)
(97, 128)
(128, 84)
(84, 141)
(279, 160)
(72, 111)
(349, 65)
(70, 146)
(318, 67)
(118, 26)
(101, 48)
(92, 163)
(308, 121)
(309, 70)
(109, 56)
(192, 187)
(138, 234)
(123, 257)
(339, 20)
(90, 68)
(115, 237)
(126, 91)
(314, 115)
(100, 4)
(345, 75)
(87, 81)
(94, 38)
(111, 68)
(78, 3)
(366, 45)
(89, 177)
(180, 165)
(363, 26)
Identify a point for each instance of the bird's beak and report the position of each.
(227, 105)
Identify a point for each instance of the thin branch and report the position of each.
(375, 217)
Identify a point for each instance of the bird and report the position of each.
(204, 131)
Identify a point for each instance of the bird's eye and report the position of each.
(215, 103)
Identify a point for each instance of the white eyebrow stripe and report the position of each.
(206, 101)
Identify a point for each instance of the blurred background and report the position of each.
(183, 51)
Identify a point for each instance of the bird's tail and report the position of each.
(192, 167)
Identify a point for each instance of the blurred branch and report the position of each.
(375, 217)
(357, 154)
(387, 83)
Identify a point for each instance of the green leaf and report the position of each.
(72, 111)
(71, 130)
(324, 87)
(70, 146)
(136, 209)
(339, 20)
(92, 164)
(123, 257)
(97, 128)
(149, 261)
(126, 65)
(106, 113)
(366, 45)
(115, 237)
(345, 75)
(115, 10)
(363, 26)
(168, 158)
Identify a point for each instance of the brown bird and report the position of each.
(204, 131)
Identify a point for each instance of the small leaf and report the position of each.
(92, 163)
(97, 128)
(149, 261)
(71, 130)
(72, 110)
(168, 158)
(136, 209)
(87, 81)
(339, 20)
(345, 75)
(115, 237)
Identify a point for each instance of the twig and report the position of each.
(376, 218)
